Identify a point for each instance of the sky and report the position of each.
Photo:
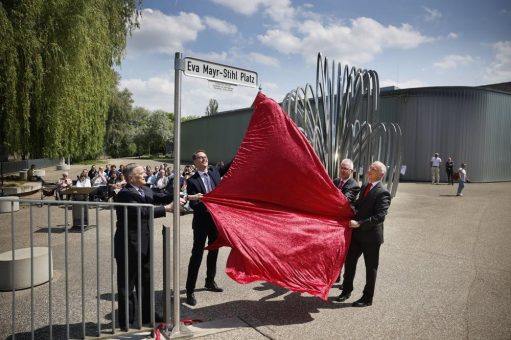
(408, 43)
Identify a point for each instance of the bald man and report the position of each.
(371, 208)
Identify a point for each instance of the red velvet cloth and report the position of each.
(278, 210)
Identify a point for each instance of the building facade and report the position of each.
(470, 124)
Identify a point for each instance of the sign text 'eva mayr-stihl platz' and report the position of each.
(220, 73)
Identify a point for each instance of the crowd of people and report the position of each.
(110, 179)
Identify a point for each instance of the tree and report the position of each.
(120, 129)
(212, 107)
(160, 131)
(56, 76)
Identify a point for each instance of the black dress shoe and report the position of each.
(362, 302)
(212, 286)
(190, 299)
(343, 297)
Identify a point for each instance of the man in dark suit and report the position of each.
(136, 191)
(203, 181)
(371, 207)
(346, 183)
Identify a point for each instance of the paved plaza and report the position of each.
(445, 273)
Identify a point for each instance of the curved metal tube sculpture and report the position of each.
(340, 119)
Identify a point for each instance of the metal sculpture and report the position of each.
(340, 119)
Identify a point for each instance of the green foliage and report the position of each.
(212, 107)
(56, 77)
(134, 132)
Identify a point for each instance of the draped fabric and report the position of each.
(278, 210)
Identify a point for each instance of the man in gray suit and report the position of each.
(371, 208)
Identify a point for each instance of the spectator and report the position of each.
(160, 182)
(83, 180)
(63, 184)
(115, 184)
(31, 175)
(92, 172)
(462, 173)
(449, 165)
(435, 169)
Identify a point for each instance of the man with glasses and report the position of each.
(203, 181)
(371, 208)
(346, 183)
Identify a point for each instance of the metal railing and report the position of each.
(78, 301)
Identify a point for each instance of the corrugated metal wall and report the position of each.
(219, 135)
(471, 125)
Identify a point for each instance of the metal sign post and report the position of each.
(216, 73)
(179, 329)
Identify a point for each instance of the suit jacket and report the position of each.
(195, 186)
(370, 213)
(130, 194)
(350, 189)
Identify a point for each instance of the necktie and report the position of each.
(341, 184)
(366, 191)
(207, 182)
(141, 192)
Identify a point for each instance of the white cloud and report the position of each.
(431, 14)
(243, 7)
(281, 12)
(153, 94)
(160, 33)
(220, 25)
(453, 35)
(499, 69)
(355, 44)
(263, 59)
(453, 61)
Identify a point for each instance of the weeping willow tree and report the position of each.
(56, 75)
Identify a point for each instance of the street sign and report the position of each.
(219, 73)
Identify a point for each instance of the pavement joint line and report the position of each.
(258, 329)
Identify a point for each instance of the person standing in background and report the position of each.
(462, 173)
(435, 169)
(449, 168)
